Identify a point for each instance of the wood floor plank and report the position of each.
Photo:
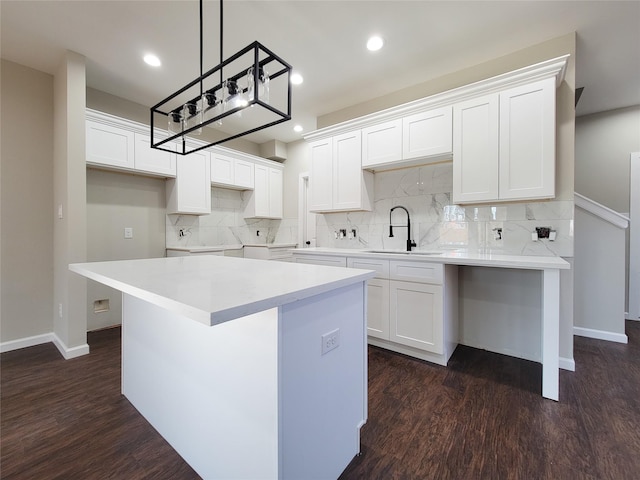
(480, 417)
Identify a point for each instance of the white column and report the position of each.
(550, 332)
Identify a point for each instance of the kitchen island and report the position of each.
(248, 368)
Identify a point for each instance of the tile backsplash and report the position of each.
(437, 223)
(226, 225)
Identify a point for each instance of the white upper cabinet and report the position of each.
(475, 150)
(528, 141)
(382, 143)
(230, 172)
(504, 145)
(427, 134)
(190, 192)
(499, 131)
(337, 181)
(117, 144)
(151, 160)
(110, 145)
(266, 199)
(321, 177)
(416, 139)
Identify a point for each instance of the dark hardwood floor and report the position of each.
(480, 418)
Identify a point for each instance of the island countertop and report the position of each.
(215, 289)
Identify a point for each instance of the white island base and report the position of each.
(249, 396)
(233, 404)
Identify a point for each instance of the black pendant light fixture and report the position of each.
(257, 95)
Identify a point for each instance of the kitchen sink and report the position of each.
(404, 252)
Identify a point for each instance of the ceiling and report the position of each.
(325, 42)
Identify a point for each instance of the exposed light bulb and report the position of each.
(297, 128)
(296, 79)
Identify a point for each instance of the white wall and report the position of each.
(26, 202)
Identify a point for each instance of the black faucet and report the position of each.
(410, 243)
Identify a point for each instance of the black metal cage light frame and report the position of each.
(254, 70)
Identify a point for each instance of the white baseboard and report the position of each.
(567, 364)
(69, 353)
(600, 335)
(26, 342)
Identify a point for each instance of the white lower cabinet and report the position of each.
(416, 315)
(412, 307)
(378, 308)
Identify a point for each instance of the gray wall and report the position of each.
(603, 144)
(115, 201)
(26, 202)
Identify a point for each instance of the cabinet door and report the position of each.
(378, 308)
(475, 150)
(527, 141)
(416, 315)
(321, 175)
(222, 169)
(347, 171)
(427, 133)
(382, 144)
(243, 174)
(112, 146)
(261, 191)
(190, 191)
(275, 193)
(152, 160)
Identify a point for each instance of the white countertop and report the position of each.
(455, 257)
(213, 289)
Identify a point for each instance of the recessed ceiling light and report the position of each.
(152, 60)
(375, 43)
(296, 79)
(298, 128)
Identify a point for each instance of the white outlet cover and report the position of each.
(330, 340)
(128, 232)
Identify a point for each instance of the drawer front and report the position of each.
(280, 253)
(380, 266)
(420, 272)
(321, 260)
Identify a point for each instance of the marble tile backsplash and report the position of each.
(226, 225)
(437, 223)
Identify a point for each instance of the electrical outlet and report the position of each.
(128, 232)
(330, 340)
